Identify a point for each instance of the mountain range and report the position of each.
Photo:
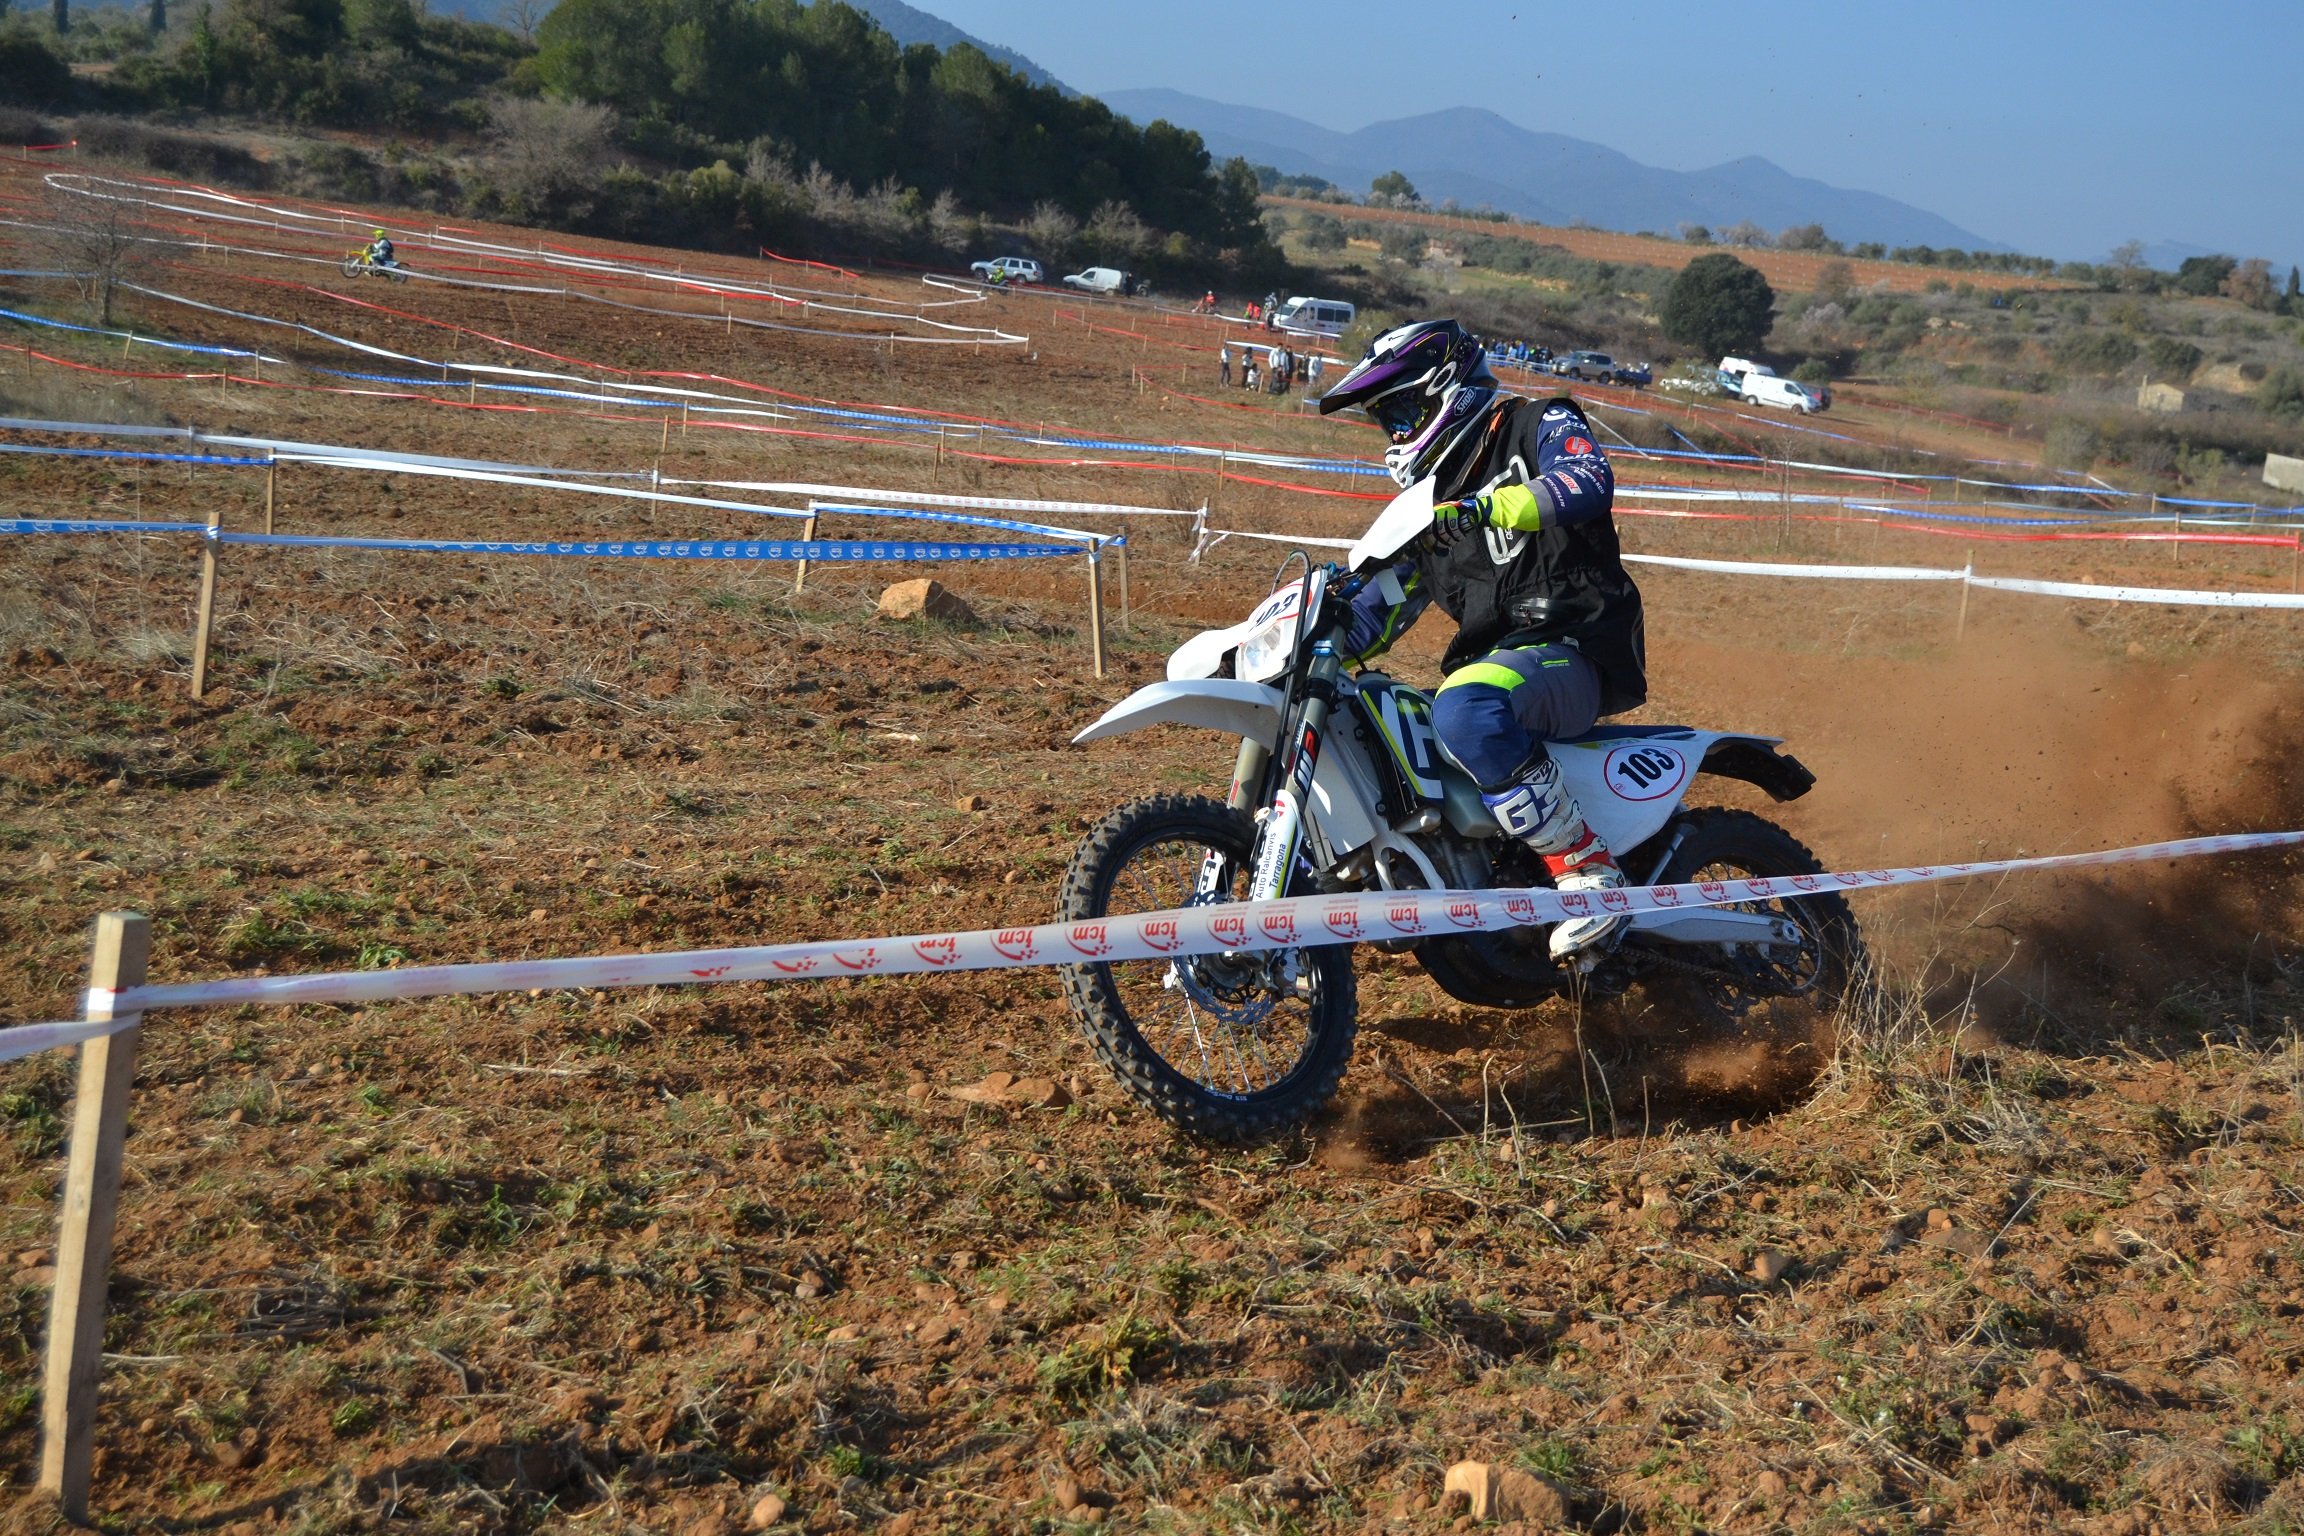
(1476, 157)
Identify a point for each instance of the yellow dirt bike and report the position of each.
(358, 264)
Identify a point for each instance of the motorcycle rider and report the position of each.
(379, 252)
(1523, 556)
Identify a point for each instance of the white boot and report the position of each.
(1541, 812)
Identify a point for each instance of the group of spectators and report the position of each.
(1253, 312)
(1274, 369)
(1520, 354)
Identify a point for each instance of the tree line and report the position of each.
(745, 99)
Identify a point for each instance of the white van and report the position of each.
(1732, 370)
(1313, 317)
(1768, 389)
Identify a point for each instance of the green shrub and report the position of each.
(2095, 352)
(1717, 304)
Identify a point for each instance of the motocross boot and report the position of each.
(1541, 812)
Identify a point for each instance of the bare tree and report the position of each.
(99, 243)
(525, 16)
(1050, 229)
(549, 154)
(1114, 231)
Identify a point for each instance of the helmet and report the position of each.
(376, 234)
(1427, 385)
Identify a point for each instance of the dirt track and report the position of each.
(635, 1260)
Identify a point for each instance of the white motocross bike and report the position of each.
(1340, 784)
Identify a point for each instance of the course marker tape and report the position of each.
(1223, 928)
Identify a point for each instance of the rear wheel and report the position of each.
(1787, 992)
(1234, 1047)
(353, 266)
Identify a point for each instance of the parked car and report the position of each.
(1600, 368)
(1301, 316)
(1007, 269)
(1790, 394)
(1101, 280)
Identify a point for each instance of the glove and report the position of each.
(1454, 519)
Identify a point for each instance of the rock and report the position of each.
(1040, 1092)
(846, 1333)
(1067, 1494)
(810, 1286)
(1770, 1265)
(34, 1258)
(919, 1091)
(1770, 1485)
(1506, 1493)
(925, 598)
(971, 803)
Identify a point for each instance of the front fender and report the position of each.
(1342, 782)
(1247, 710)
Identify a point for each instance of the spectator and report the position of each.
(1224, 365)
(1271, 307)
(1312, 366)
(1248, 371)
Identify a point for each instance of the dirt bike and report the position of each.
(358, 265)
(1341, 784)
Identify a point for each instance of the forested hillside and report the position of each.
(688, 121)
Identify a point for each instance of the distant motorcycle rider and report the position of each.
(379, 252)
(1523, 556)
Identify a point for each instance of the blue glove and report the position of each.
(1451, 520)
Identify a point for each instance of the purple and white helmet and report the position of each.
(1427, 385)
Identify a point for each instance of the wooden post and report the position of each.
(1120, 553)
(807, 533)
(2296, 563)
(91, 1202)
(1960, 627)
(1096, 606)
(938, 477)
(271, 486)
(206, 617)
(683, 418)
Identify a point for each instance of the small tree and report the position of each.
(1393, 190)
(1717, 305)
(1116, 233)
(1745, 233)
(1050, 230)
(549, 155)
(96, 240)
(2251, 283)
(1802, 237)
(1836, 283)
(1696, 234)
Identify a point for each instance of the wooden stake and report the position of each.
(1096, 608)
(206, 618)
(683, 418)
(1960, 628)
(271, 486)
(807, 533)
(91, 1203)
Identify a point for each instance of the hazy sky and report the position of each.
(2055, 126)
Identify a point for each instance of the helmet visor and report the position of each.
(1404, 412)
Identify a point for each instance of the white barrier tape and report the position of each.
(1816, 572)
(2175, 595)
(938, 499)
(1225, 928)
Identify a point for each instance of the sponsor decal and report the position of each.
(1616, 901)
(1231, 932)
(1015, 943)
(1761, 887)
(1344, 922)
(1089, 938)
(1849, 880)
(1464, 914)
(1163, 935)
(1280, 927)
(1712, 890)
(795, 967)
(1667, 896)
(1521, 909)
(709, 972)
(1576, 904)
(938, 952)
(868, 960)
(1577, 446)
(1805, 882)
(1404, 917)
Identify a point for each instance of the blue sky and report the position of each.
(2055, 126)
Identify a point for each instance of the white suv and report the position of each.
(1007, 269)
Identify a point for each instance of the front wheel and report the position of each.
(353, 266)
(1234, 1047)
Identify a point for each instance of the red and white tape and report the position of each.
(1224, 928)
